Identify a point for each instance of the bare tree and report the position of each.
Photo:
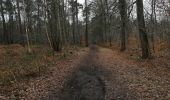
(142, 30)
(5, 33)
(19, 16)
(86, 32)
(123, 14)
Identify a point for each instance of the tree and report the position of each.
(19, 16)
(46, 21)
(10, 10)
(153, 22)
(123, 14)
(87, 31)
(78, 6)
(142, 30)
(55, 22)
(27, 21)
(73, 11)
(5, 33)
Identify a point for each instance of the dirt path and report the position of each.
(91, 81)
(87, 82)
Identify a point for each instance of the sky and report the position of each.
(146, 6)
(81, 1)
(80, 14)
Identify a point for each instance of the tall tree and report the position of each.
(39, 15)
(5, 36)
(77, 20)
(27, 22)
(142, 30)
(73, 11)
(46, 21)
(10, 10)
(19, 16)
(87, 31)
(123, 14)
(153, 22)
(55, 21)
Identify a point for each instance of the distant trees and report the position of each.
(75, 6)
(106, 11)
(22, 22)
(57, 22)
(102, 13)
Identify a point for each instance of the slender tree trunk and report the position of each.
(5, 33)
(26, 28)
(123, 13)
(73, 21)
(87, 41)
(63, 24)
(142, 30)
(59, 25)
(39, 20)
(153, 24)
(46, 27)
(10, 28)
(103, 24)
(110, 33)
(77, 22)
(19, 21)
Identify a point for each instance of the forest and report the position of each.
(85, 49)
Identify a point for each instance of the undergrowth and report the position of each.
(18, 65)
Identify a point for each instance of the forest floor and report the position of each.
(98, 73)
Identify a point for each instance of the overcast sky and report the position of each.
(146, 6)
(80, 14)
(81, 1)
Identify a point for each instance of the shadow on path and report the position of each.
(86, 83)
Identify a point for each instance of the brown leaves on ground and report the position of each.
(150, 79)
(123, 77)
(20, 70)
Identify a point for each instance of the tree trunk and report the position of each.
(153, 23)
(142, 30)
(26, 19)
(123, 13)
(19, 21)
(5, 33)
(73, 21)
(10, 28)
(77, 22)
(46, 26)
(87, 41)
(56, 26)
